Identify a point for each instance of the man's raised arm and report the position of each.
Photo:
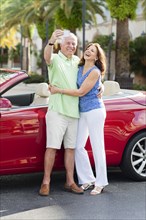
(49, 47)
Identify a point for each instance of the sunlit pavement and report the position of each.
(49, 212)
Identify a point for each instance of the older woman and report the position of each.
(92, 67)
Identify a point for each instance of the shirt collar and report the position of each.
(63, 56)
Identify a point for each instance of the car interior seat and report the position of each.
(41, 96)
(111, 88)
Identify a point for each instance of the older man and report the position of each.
(62, 115)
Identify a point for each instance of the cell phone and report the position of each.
(66, 33)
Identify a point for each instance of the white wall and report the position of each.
(136, 28)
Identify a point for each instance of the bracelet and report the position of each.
(50, 44)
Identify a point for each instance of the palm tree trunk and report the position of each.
(25, 56)
(122, 48)
(44, 66)
(122, 54)
(10, 60)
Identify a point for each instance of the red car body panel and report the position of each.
(23, 134)
(120, 126)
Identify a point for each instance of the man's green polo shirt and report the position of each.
(63, 74)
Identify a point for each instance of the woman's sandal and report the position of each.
(87, 186)
(97, 190)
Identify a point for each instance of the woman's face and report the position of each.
(91, 53)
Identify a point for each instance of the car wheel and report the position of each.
(134, 159)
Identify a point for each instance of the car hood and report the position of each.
(10, 78)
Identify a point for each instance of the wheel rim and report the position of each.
(138, 157)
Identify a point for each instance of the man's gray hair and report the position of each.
(72, 35)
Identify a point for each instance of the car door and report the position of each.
(22, 139)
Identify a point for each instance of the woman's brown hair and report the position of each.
(100, 62)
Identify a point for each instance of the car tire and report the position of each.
(134, 159)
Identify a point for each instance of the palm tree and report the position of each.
(11, 17)
(42, 12)
(122, 11)
(9, 41)
(22, 15)
(69, 14)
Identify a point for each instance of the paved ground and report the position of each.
(122, 199)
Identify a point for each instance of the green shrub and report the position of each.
(137, 49)
(139, 87)
(105, 41)
(34, 78)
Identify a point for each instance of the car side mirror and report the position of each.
(5, 104)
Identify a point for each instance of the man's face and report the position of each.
(68, 46)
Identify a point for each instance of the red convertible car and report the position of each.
(23, 136)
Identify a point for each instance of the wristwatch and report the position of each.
(51, 44)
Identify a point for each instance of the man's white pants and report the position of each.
(91, 124)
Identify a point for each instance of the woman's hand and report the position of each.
(100, 91)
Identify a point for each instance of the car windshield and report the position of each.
(6, 76)
(10, 78)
